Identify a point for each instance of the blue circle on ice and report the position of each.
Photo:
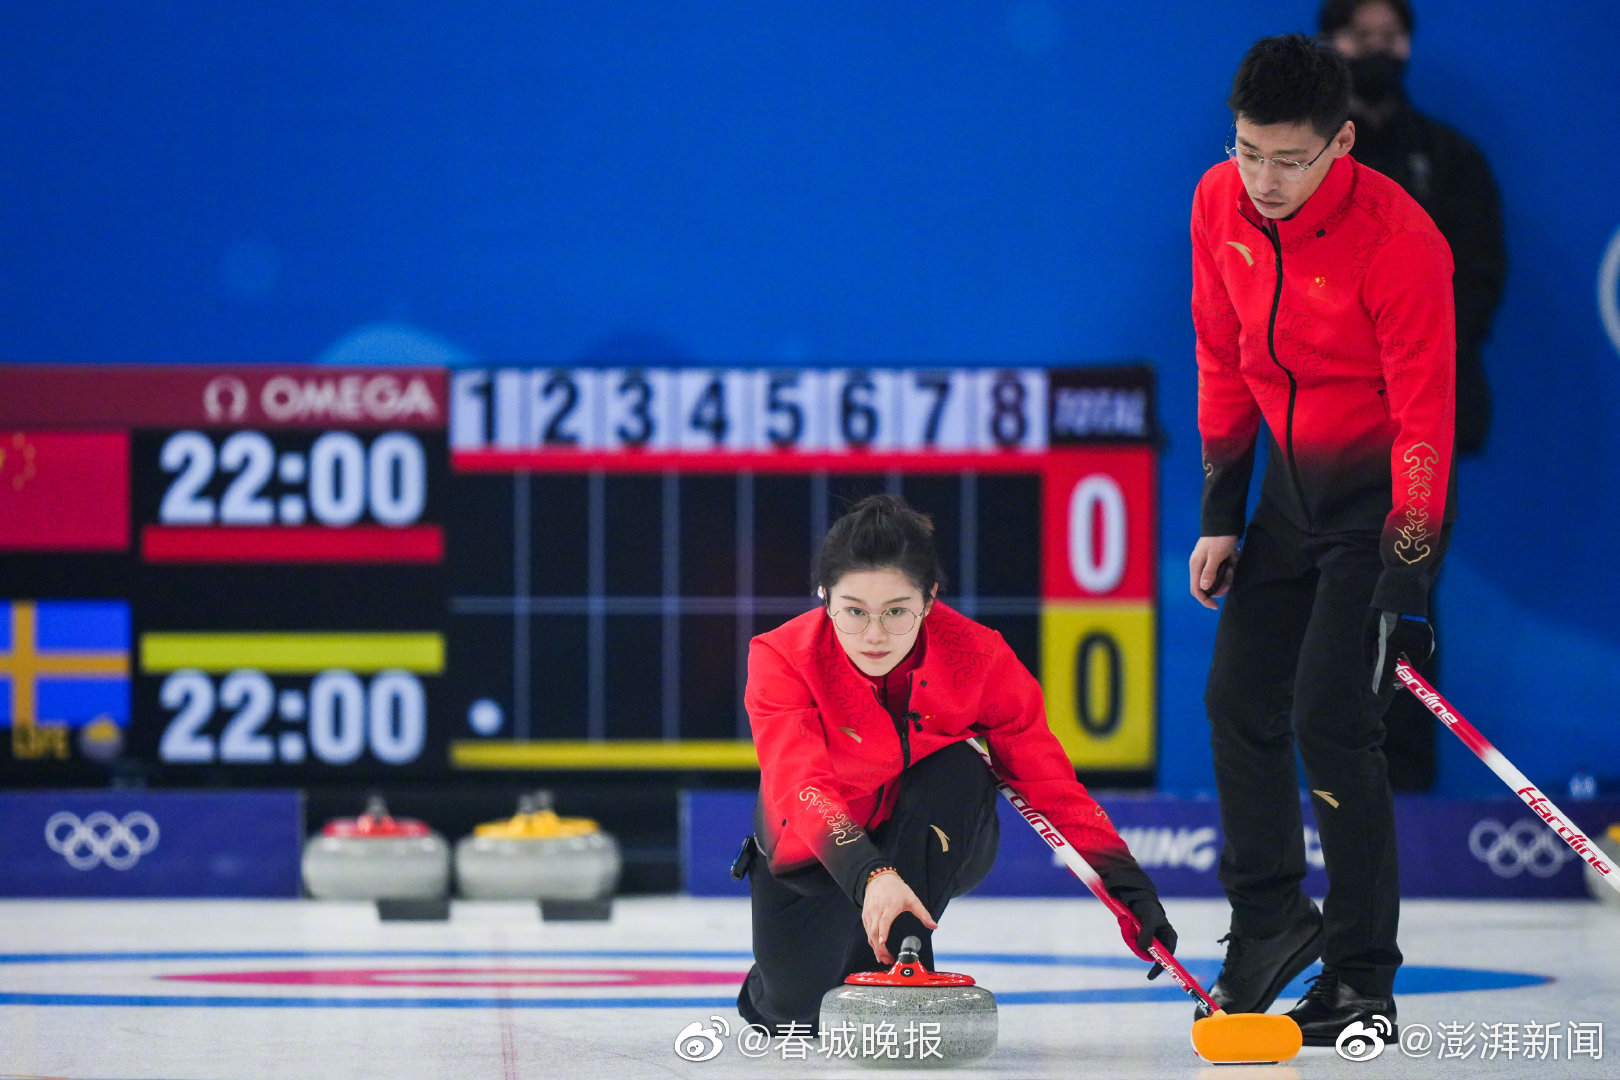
(484, 716)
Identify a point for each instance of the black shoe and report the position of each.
(1330, 1006)
(1257, 968)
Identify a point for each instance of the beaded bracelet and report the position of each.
(880, 870)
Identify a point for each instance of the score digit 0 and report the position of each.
(1097, 534)
(1098, 511)
(1098, 675)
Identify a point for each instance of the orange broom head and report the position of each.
(1237, 1038)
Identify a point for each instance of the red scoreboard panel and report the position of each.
(285, 575)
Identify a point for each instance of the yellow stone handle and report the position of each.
(540, 825)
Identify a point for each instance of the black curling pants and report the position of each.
(1289, 671)
(808, 936)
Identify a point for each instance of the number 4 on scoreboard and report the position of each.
(706, 407)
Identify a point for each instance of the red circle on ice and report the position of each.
(396, 978)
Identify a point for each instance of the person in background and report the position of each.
(1449, 178)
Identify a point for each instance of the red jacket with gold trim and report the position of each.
(1337, 326)
(830, 753)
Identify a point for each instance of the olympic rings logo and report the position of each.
(101, 838)
(1512, 849)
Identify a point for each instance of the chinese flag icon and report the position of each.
(64, 491)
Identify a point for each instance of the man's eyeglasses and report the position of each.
(853, 620)
(1287, 168)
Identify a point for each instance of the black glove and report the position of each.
(1131, 887)
(1387, 635)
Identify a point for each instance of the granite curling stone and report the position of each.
(399, 863)
(569, 865)
(931, 1019)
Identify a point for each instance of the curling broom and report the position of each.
(1221, 1037)
(1512, 777)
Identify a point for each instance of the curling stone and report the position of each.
(398, 862)
(1609, 844)
(569, 865)
(909, 994)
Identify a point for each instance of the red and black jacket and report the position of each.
(1338, 327)
(831, 752)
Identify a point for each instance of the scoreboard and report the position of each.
(307, 574)
(221, 570)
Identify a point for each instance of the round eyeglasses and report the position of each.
(853, 620)
(1287, 168)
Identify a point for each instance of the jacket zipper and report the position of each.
(911, 714)
(899, 725)
(1293, 384)
(900, 729)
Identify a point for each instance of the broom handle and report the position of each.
(1512, 777)
(1081, 869)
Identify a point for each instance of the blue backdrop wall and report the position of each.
(951, 180)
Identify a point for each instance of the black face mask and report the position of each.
(1377, 77)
